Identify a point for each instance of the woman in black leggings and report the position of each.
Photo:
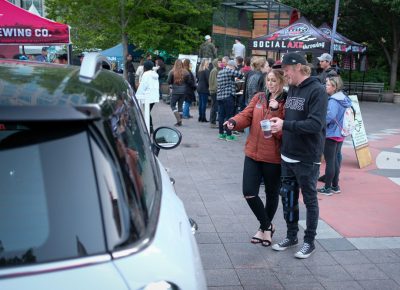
(262, 161)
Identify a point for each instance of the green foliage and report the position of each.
(172, 25)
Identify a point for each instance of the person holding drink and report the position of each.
(262, 153)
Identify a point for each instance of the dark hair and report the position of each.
(247, 61)
(270, 62)
(239, 59)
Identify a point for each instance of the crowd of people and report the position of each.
(291, 119)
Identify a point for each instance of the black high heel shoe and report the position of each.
(267, 243)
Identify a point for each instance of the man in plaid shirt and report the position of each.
(225, 97)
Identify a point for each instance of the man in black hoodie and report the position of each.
(302, 146)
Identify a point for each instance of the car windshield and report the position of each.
(49, 207)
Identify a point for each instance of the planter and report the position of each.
(396, 98)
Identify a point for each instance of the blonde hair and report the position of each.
(305, 69)
(204, 64)
(178, 72)
(258, 62)
(278, 73)
(336, 82)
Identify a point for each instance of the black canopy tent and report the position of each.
(299, 36)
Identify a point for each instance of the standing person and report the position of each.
(259, 65)
(149, 88)
(207, 49)
(302, 145)
(239, 62)
(246, 68)
(161, 71)
(131, 70)
(337, 104)
(177, 79)
(43, 56)
(212, 86)
(225, 97)
(238, 49)
(190, 89)
(325, 61)
(202, 88)
(262, 155)
(139, 72)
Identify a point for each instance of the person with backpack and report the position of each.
(337, 128)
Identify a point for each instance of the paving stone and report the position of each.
(349, 257)
(226, 288)
(206, 228)
(246, 255)
(227, 238)
(207, 238)
(336, 244)
(392, 270)
(330, 273)
(222, 277)
(342, 285)
(264, 287)
(379, 284)
(257, 277)
(381, 256)
(282, 258)
(304, 286)
(365, 272)
(214, 256)
(292, 275)
(368, 243)
(320, 259)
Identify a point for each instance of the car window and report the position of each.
(49, 207)
(132, 146)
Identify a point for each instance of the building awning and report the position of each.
(258, 6)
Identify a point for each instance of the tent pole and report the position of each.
(334, 26)
(69, 53)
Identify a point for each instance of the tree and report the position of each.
(171, 25)
(374, 22)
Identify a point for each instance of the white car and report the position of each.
(84, 201)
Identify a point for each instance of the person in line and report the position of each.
(262, 155)
(177, 79)
(239, 62)
(212, 86)
(246, 68)
(202, 88)
(251, 85)
(43, 56)
(130, 68)
(161, 69)
(139, 72)
(302, 145)
(238, 49)
(262, 86)
(149, 88)
(325, 61)
(337, 104)
(207, 49)
(225, 96)
(190, 96)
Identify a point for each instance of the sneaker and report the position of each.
(213, 125)
(231, 138)
(222, 136)
(336, 189)
(305, 251)
(325, 191)
(283, 245)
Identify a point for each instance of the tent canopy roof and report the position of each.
(19, 26)
(258, 5)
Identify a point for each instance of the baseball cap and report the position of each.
(45, 48)
(207, 37)
(148, 65)
(232, 63)
(325, 56)
(293, 58)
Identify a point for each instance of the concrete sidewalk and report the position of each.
(208, 174)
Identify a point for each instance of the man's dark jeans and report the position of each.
(306, 175)
(225, 111)
(214, 108)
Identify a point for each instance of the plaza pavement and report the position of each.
(358, 241)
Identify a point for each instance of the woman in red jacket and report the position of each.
(262, 150)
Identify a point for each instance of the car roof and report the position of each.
(65, 88)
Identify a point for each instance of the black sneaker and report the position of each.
(325, 191)
(284, 244)
(305, 251)
(336, 189)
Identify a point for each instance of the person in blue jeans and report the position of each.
(225, 98)
(190, 89)
(303, 136)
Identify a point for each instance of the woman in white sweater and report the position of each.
(149, 88)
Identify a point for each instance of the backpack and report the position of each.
(349, 123)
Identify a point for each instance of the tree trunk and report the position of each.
(124, 38)
(393, 69)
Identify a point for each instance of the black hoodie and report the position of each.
(304, 125)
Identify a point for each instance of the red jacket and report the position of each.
(257, 147)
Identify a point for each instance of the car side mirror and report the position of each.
(166, 138)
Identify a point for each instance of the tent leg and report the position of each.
(69, 53)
